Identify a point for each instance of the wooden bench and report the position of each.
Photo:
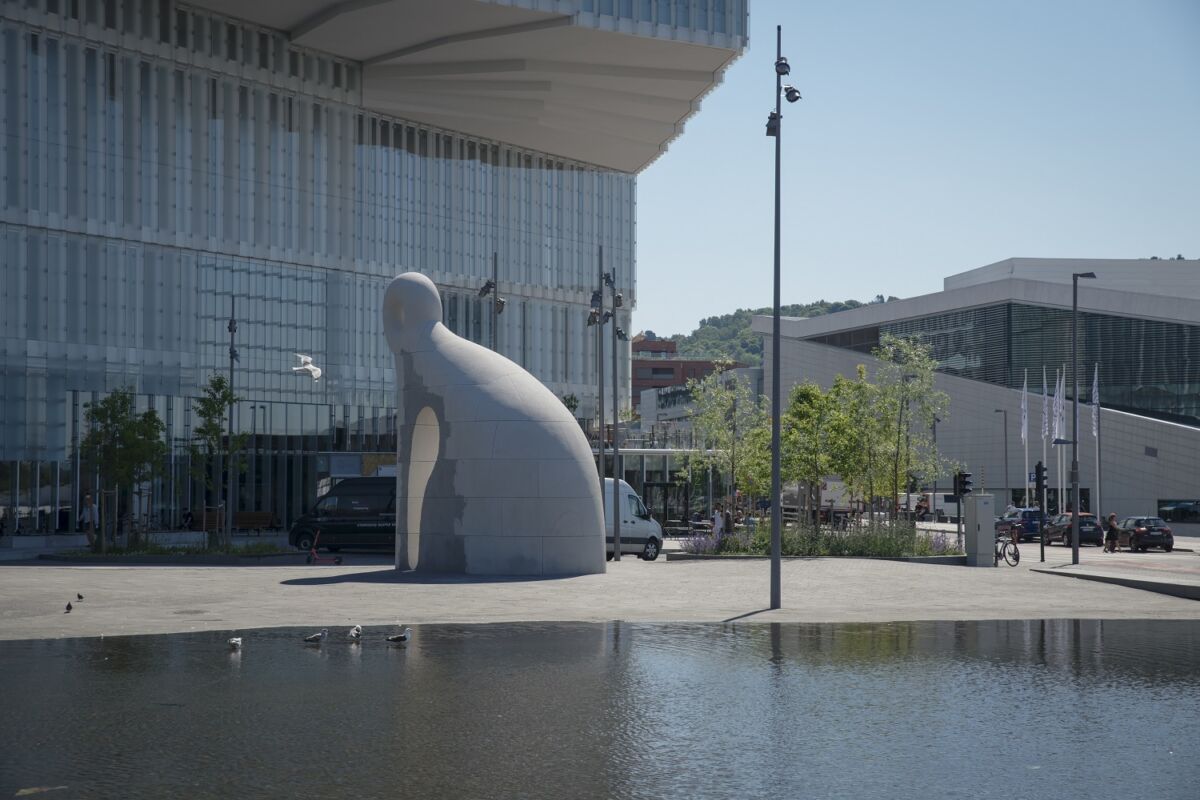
(258, 521)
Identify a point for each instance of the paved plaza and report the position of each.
(367, 591)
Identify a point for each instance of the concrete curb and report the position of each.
(951, 560)
(180, 560)
(1184, 590)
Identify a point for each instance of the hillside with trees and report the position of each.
(729, 336)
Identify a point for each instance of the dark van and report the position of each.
(357, 512)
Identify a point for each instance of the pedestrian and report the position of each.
(1111, 534)
(718, 520)
(88, 518)
(728, 526)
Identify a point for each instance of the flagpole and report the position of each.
(1045, 423)
(1096, 401)
(1025, 433)
(1058, 394)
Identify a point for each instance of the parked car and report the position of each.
(1059, 529)
(1026, 520)
(1141, 533)
(357, 512)
(641, 535)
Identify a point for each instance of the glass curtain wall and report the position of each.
(1146, 367)
(161, 167)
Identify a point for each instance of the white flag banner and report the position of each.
(1096, 403)
(1056, 411)
(1025, 408)
(1045, 407)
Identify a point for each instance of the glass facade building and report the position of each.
(162, 167)
(1146, 367)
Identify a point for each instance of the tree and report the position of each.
(570, 401)
(127, 448)
(805, 438)
(908, 404)
(855, 433)
(729, 337)
(209, 443)
(723, 415)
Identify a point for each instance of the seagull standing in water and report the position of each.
(355, 633)
(403, 636)
(235, 643)
(307, 365)
(318, 637)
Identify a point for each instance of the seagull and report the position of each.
(68, 611)
(307, 365)
(355, 633)
(78, 596)
(402, 636)
(235, 643)
(317, 638)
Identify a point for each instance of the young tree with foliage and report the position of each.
(723, 415)
(208, 439)
(908, 403)
(855, 435)
(127, 448)
(754, 457)
(806, 436)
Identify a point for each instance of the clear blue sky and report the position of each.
(934, 136)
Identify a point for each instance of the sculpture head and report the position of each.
(411, 307)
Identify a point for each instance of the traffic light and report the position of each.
(963, 485)
(1039, 481)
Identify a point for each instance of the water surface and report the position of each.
(1060, 708)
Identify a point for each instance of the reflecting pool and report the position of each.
(1055, 709)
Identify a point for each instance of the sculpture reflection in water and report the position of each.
(493, 474)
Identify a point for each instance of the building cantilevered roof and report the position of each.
(557, 76)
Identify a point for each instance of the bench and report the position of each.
(258, 521)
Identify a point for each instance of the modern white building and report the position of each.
(990, 328)
(165, 163)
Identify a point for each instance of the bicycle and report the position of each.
(1006, 549)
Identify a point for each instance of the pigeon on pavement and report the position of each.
(78, 596)
(68, 611)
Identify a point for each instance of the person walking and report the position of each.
(718, 521)
(1111, 534)
(88, 519)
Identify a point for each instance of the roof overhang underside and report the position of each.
(537, 74)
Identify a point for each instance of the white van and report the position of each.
(641, 535)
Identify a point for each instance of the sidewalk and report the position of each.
(1176, 574)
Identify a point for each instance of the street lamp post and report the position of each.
(492, 287)
(775, 129)
(617, 334)
(1075, 276)
(1008, 499)
(595, 317)
(895, 502)
(233, 356)
(933, 434)
(598, 316)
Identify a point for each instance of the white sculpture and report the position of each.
(493, 474)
